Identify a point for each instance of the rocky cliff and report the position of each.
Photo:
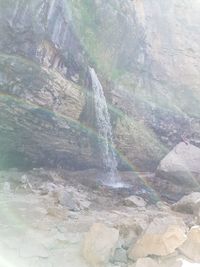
(146, 54)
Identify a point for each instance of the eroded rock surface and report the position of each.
(137, 53)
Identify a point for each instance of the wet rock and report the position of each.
(50, 118)
(161, 238)
(191, 247)
(99, 244)
(71, 198)
(43, 32)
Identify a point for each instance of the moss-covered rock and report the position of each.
(39, 114)
(138, 145)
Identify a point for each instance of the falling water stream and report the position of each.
(104, 129)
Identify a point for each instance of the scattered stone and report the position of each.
(188, 204)
(99, 244)
(134, 201)
(161, 238)
(191, 247)
(66, 199)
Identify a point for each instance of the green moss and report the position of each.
(89, 31)
(21, 71)
(140, 145)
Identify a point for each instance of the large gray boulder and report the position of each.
(182, 166)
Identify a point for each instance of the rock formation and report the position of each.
(182, 165)
(139, 55)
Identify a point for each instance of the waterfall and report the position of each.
(104, 130)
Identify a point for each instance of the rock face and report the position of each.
(49, 234)
(100, 244)
(40, 113)
(191, 247)
(161, 238)
(143, 63)
(181, 165)
(41, 102)
(46, 47)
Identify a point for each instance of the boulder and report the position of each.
(70, 198)
(181, 166)
(99, 244)
(188, 204)
(191, 247)
(161, 238)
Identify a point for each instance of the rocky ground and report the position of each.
(49, 220)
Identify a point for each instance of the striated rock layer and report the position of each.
(146, 56)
